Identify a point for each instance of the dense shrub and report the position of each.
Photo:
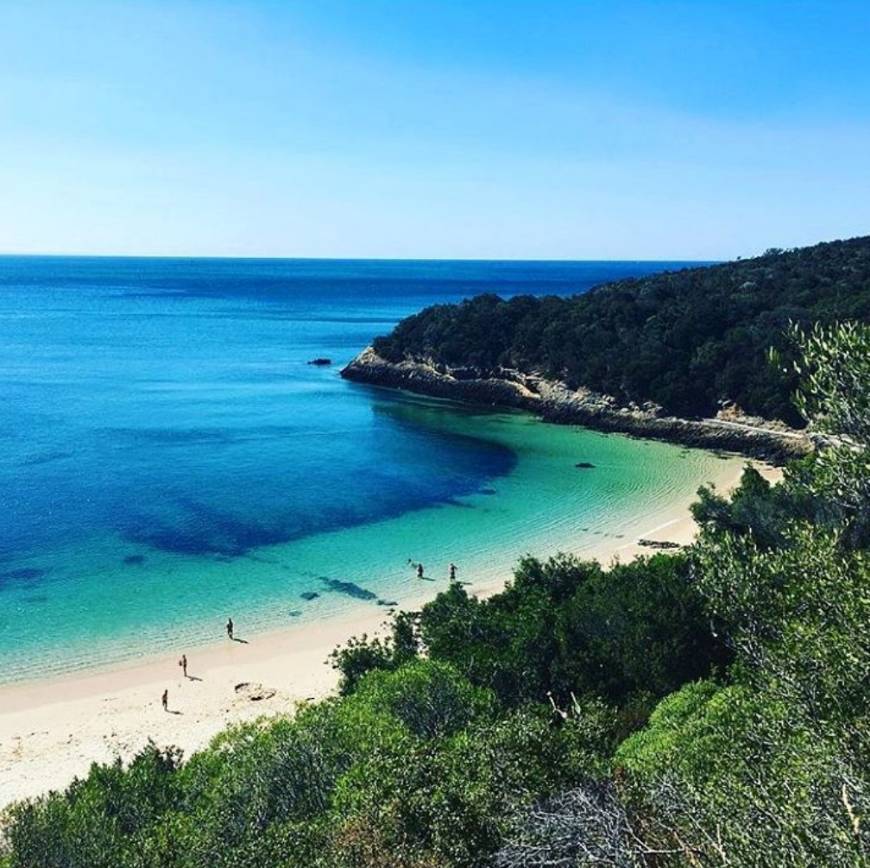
(685, 340)
(566, 625)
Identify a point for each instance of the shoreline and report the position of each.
(51, 730)
(554, 401)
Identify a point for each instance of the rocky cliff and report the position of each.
(555, 402)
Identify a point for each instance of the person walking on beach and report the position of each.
(452, 572)
(164, 700)
(230, 627)
(183, 664)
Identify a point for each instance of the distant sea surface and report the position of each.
(169, 458)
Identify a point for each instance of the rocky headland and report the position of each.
(554, 401)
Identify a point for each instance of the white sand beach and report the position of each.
(52, 730)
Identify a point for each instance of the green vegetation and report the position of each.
(685, 340)
(703, 708)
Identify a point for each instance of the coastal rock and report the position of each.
(658, 544)
(309, 595)
(254, 692)
(555, 401)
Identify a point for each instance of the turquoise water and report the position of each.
(170, 459)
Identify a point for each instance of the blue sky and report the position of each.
(538, 129)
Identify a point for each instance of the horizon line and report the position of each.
(272, 258)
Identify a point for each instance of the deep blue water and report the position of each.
(170, 400)
(164, 406)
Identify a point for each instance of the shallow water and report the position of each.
(169, 458)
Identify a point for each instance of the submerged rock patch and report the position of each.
(351, 589)
(21, 576)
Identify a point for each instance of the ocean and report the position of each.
(170, 458)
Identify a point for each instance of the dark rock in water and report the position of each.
(321, 362)
(309, 595)
(25, 574)
(134, 559)
(349, 588)
(382, 602)
(584, 465)
(45, 457)
(36, 598)
(658, 544)
(487, 491)
(294, 613)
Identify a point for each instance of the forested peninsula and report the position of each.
(700, 356)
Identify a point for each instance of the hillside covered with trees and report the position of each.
(702, 708)
(686, 340)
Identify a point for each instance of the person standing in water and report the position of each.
(164, 700)
(183, 664)
(419, 571)
(452, 572)
(230, 627)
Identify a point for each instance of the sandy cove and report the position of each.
(52, 730)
